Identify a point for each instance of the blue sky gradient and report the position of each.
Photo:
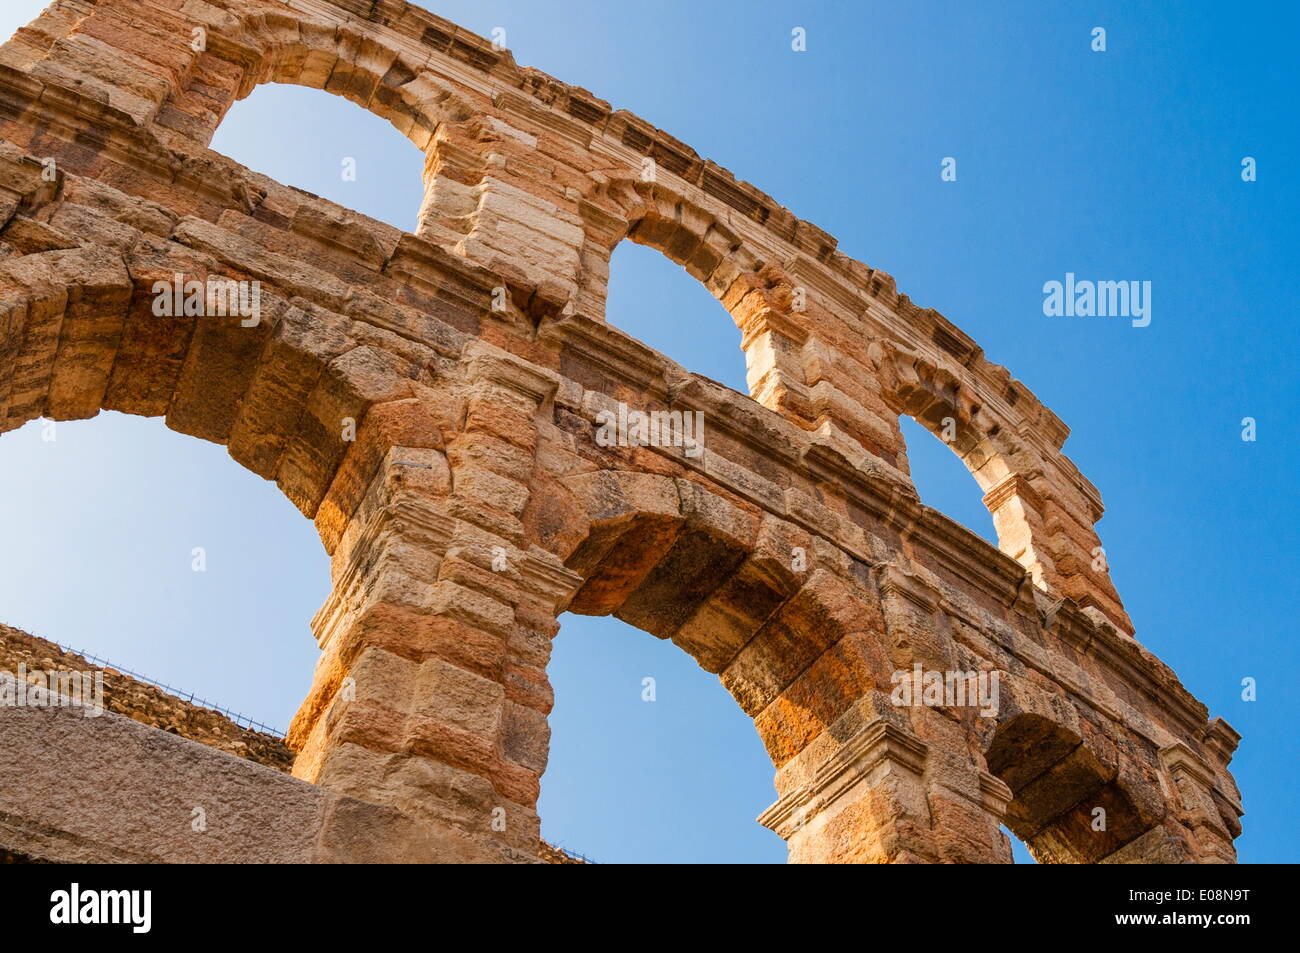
(1123, 164)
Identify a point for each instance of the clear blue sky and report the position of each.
(1116, 165)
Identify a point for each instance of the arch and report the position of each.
(942, 481)
(936, 399)
(272, 47)
(1073, 802)
(182, 90)
(221, 55)
(670, 751)
(371, 171)
(182, 564)
(750, 597)
(655, 301)
(82, 335)
(755, 292)
(1043, 509)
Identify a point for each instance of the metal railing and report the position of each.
(573, 853)
(240, 719)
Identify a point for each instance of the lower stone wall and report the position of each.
(107, 789)
(104, 790)
(146, 703)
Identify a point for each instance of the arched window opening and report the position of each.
(943, 481)
(658, 302)
(1019, 852)
(325, 145)
(643, 740)
(156, 551)
(1064, 802)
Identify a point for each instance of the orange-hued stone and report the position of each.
(440, 404)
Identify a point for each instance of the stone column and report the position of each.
(431, 694)
(856, 794)
(1191, 788)
(895, 779)
(491, 197)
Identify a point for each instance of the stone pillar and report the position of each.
(870, 790)
(856, 794)
(773, 359)
(1062, 553)
(966, 802)
(1191, 790)
(1015, 508)
(431, 694)
(488, 199)
(895, 779)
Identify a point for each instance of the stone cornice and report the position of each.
(488, 362)
(896, 581)
(1012, 486)
(1180, 757)
(1222, 740)
(770, 320)
(549, 577)
(856, 757)
(1183, 764)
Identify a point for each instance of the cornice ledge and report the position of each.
(1012, 486)
(873, 744)
(1222, 740)
(549, 577)
(897, 581)
(488, 362)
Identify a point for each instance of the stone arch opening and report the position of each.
(296, 395)
(779, 617)
(1004, 467)
(1069, 802)
(643, 740)
(308, 139)
(283, 388)
(197, 63)
(1043, 509)
(158, 568)
(756, 294)
(942, 481)
(233, 54)
(252, 50)
(654, 300)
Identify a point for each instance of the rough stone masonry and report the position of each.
(430, 399)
